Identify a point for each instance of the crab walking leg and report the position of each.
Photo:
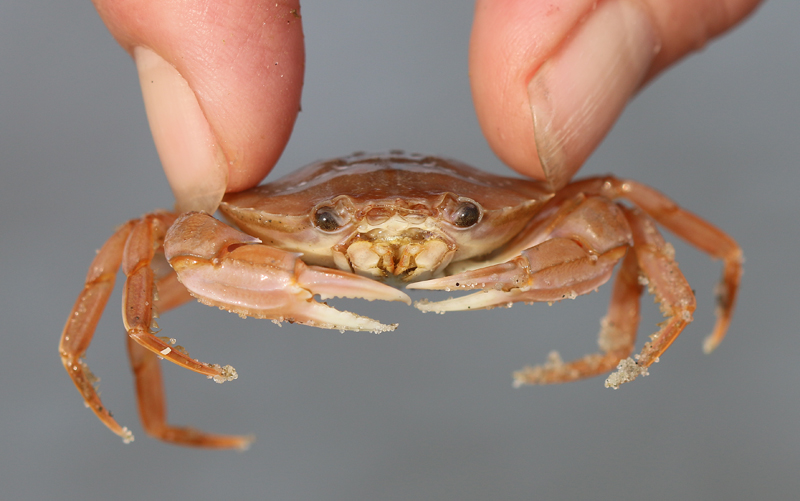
(691, 228)
(150, 396)
(616, 339)
(82, 322)
(153, 411)
(664, 279)
(170, 294)
(226, 268)
(138, 297)
(705, 237)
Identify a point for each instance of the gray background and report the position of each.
(428, 411)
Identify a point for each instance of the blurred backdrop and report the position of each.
(427, 411)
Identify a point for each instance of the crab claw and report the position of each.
(478, 301)
(554, 270)
(222, 269)
(503, 276)
(500, 282)
(495, 298)
(329, 282)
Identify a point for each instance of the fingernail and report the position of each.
(577, 94)
(193, 161)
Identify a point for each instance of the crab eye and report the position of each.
(466, 215)
(326, 219)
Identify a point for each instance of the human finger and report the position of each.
(549, 79)
(221, 83)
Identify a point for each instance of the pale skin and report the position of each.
(525, 69)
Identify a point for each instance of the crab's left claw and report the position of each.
(223, 267)
(551, 271)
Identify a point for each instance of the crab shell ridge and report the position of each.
(396, 214)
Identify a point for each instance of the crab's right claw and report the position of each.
(223, 267)
(328, 283)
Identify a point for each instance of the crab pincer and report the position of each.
(229, 269)
(554, 270)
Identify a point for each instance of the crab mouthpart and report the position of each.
(411, 255)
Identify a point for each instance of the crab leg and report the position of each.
(673, 293)
(82, 322)
(226, 268)
(705, 237)
(616, 339)
(150, 396)
(171, 293)
(138, 297)
(655, 258)
(694, 230)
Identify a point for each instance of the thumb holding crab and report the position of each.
(549, 79)
(221, 83)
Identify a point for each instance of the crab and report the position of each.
(343, 227)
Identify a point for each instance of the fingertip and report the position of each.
(253, 90)
(510, 39)
(574, 69)
(549, 79)
(230, 75)
(195, 165)
(579, 92)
